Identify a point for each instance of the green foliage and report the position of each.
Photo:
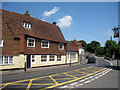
(117, 52)
(100, 51)
(110, 47)
(91, 47)
(84, 44)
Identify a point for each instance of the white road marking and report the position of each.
(81, 84)
(96, 63)
(88, 80)
(109, 62)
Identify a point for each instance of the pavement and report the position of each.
(36, 69)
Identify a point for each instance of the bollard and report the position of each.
(70, 62)
(117, 65)
(25, 67)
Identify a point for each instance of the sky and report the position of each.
(77, 20)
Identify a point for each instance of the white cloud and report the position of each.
(54, 10)
(65, 21)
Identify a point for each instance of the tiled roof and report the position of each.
(73, 45)
(39, 28)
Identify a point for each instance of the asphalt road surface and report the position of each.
(76, 76)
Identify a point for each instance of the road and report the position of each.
(96, 75)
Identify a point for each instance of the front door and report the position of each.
(68, 58)
(28, 61)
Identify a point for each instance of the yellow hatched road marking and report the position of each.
(72, 80)
(53, 79)
(58, 74)
(70, 75)
(30, 83)
(62, 78)
(81, 72)
(3, 86)
(34, 84)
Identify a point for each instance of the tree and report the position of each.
(117, 53)
(110, 48)
(84, 44)
(100, 51)
(91, 47)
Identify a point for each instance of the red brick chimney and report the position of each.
(27, 13)
(54, 23)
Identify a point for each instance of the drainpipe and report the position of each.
(25, 69)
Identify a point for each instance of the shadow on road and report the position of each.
(114, 67)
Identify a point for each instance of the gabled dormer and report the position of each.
(26, 25)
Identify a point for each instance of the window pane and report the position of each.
(52, 57)
(1, 59)
(0, 42)
(6, 59)
(25, 24)
(45, 44)
(33, 56)
(72, 56)
(59, 58)
(61, 46)
(33, 60)
(10, 59)
(31, 42)
(43, 58)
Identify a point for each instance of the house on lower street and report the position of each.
(75, 51)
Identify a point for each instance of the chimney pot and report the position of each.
(27, 13)
(54, 23)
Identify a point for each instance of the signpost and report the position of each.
(116, 32)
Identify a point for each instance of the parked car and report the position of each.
(91, 60)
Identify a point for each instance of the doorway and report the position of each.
(68, 58)
(28, 61)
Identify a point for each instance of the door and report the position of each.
(68, 58)
(28, 61)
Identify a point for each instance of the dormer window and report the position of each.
(61, 46)
(26, 25)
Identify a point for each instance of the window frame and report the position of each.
(42, 43)
(52, 58)
(33, 43)
(44, 61)
(58, 58)
(34, 59)
(26, 25)
(1, 45)
(8, 60)
(72, 56)
(62, 46)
